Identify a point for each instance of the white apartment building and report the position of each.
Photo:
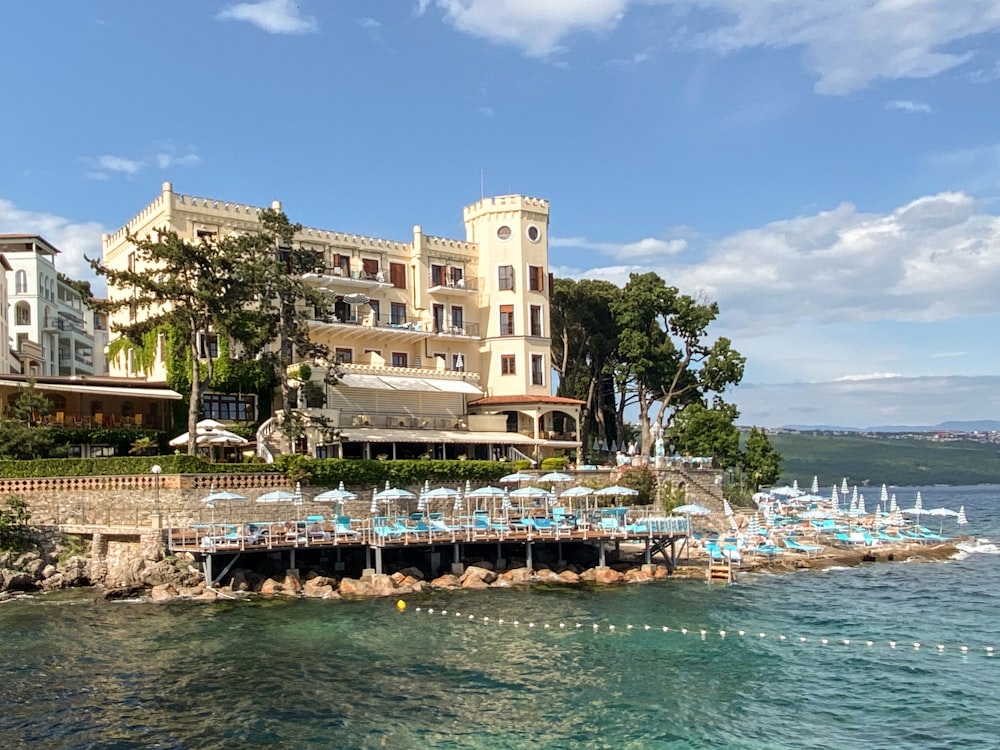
(47, 321)
(439, 347)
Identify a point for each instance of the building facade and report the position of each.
(439, 347)
(47, 319)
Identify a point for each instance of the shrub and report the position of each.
(555, 463)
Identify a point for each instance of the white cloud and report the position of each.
(73, 239)
(167, 158)
(905, 105)
(847, 44)
(646, 248)
(367, 22)
(537, 28)
(932, 259)
(111, 163)
(273, 16)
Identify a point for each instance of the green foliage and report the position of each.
(328, 472)
(72, 545)
(122, 438)
(120, 465)
(28, 406)
(23, 441)
(15, 533)
(672, 496)
(892, 459)
(554, 463)
(700, 431)
(641, 479)
(761, 463)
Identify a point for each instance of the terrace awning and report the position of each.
(405, 383)
(136, 391)
(374, 435)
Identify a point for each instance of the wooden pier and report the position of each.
(224, 543)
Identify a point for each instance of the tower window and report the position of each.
(503, 232)
(505, 278)
(533, 232)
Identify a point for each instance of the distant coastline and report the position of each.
(953, 459)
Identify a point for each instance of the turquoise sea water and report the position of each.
(315, 674)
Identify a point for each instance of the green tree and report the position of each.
(665, 354)
(21, 433)
(584, 349)
(702, 431)
(274, 269)
(192, 286)
(15, 534)
(761, 462)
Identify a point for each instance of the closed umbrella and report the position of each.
(834, 502)
(815, 485)
(961, 520)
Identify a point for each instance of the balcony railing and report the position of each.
(439, 284)
(62, 324)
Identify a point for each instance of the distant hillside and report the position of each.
(901, 461)
(980, 425)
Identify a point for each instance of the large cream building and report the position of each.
(441, 346)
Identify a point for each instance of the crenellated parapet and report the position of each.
(505, 203)
(444, 244)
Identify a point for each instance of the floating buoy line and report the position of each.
(702, 634)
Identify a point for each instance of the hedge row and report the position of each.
(325, 472)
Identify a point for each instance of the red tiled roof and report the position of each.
(497, 400)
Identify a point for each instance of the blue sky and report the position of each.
(828, 172)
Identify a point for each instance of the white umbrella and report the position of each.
(374, 506)
(555, 476)
(213, 497)
(961, 520)
(339, 495)
(692, 509)
(578, 491)
(277, 496)
(753, 529)
(795, 485)
(861, 506)
(224, 496)
(727, 508)
(617, 490)
(442, 493)
(815, 485)
(834, 502)
(390, 494)
(884, 496)
(506, 504)
(533, 493)
(893, 507)
(519, 476)
(942, 513)
(843, 487)
(485, 493)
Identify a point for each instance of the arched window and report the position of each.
(21, 282)
(22, 314)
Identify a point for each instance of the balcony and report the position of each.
(464, 330)
(340, 280)
(441, 286)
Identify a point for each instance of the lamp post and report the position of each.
(157, 469)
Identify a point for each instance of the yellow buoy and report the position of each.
(400, 605)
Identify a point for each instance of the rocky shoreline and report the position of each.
(150, 574)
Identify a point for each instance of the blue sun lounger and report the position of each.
(806, 549)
